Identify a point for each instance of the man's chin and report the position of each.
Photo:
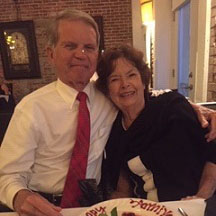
(79, 86)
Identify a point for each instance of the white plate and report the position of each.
(140, 207)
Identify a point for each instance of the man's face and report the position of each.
(75, 54)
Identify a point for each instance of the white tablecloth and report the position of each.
(191, 207)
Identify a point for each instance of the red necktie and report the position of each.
(79, 158)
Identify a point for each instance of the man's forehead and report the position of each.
(77, 29)
(79, 24)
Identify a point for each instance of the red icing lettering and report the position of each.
(96, 211)
(153, 207)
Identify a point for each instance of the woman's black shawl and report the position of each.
(170, 142)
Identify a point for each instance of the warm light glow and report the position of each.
(146, 11)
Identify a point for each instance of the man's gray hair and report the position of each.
(71, 15)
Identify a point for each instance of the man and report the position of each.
(38, 144)
(44, 123)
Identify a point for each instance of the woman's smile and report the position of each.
(127, 94)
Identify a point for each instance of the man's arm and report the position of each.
(16, 158)
(29, 203)
(205, 116)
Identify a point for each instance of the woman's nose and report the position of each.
(124, 82)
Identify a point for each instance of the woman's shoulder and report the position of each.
(168, 98)
(172, 104)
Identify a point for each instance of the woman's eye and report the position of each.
(132, 75)
(113, 80)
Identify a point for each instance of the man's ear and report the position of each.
(50, 53)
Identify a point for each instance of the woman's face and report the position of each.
(125, 86)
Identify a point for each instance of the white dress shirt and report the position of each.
(37, 146)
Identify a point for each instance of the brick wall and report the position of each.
(117, 27)
(211, 96)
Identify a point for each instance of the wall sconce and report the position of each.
(148, 22)
(146, 11)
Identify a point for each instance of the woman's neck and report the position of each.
(130, 114)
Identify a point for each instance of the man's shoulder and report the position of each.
(38, 95)
(100, 101)
(98, 96)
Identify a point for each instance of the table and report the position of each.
(192, 207)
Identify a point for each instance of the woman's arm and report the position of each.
(184, 145)
(123, 188)
(208, 181)
(206, 116)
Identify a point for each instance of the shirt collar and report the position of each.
(69, 94)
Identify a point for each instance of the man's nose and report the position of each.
(79, 53)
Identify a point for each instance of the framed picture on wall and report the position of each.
(19, 50)
(99, 21)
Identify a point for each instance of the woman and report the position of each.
(157, 148)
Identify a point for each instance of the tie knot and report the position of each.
(82, 96)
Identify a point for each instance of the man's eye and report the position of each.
(90, 48)
(70, 46)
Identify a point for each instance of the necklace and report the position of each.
(126, 125)
(123, 124)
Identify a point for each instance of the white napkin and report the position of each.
(6, 97)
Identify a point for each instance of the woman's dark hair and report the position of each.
(106, 66)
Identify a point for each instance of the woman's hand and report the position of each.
(191, 197)
(207, 118)
(207, 185)
(123, 187)
(119, 194)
